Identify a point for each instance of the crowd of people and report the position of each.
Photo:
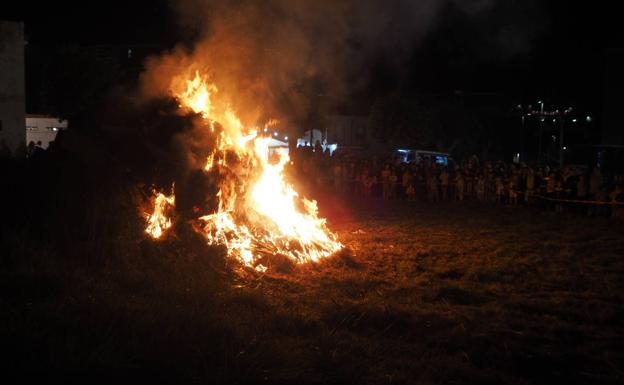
(571, 188)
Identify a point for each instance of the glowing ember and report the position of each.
(158, 221)
(259, 213)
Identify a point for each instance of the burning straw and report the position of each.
(258, 210)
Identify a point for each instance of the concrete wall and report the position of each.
(12, 88)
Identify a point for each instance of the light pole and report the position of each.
(561, 146)
(523, 135)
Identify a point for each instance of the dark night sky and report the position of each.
(105, 22)
(564, 60)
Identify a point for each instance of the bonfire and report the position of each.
(259, 213)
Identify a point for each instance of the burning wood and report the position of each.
(159, 221)
(257, 209)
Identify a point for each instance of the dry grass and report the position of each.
(444, 294)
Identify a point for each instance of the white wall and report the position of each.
(43, 129)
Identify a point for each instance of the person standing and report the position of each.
(406, 180)
(481, 188)
(595, 190)
(530, 185)
(385, 182)
(444, 183)
(460, 186)
(581, 187)
(500, 189)
(394, 184)
(337, 172)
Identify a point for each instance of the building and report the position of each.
(12, 87)
(41, 130)
(348, 130)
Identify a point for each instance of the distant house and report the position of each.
(348, 130)
(12, 87)
(311, 137)
(41, 130)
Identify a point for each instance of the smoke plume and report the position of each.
(276, 58)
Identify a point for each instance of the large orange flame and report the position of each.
(259, 213)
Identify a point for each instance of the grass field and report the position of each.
(440, 294)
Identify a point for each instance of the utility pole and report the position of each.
(541, 133)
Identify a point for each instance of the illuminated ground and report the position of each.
(444, 294)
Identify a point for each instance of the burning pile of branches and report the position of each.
(259, 213)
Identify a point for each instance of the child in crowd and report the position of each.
(513, 192)
(393, 184)
(500, 189)
(444, 183)
(530, 185)
(385, 182)
(481, 188)
(411, 192)
(461, 186)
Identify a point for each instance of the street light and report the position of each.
(559, 116)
